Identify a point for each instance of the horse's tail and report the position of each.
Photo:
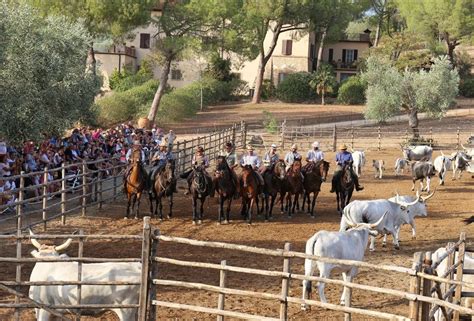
(309, 265)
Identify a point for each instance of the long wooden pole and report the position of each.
(63, 194)
(80, 253)
(145, 268)
(84, 189)
(221, 298)
(285, 284)
(153, 275)
(459, 273)
(415, 285)
(45, 197)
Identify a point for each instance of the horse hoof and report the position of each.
(384, 244)
(413, 238)
(194, 222)
(125, 218)
(266, 220)
(290, 217)
(169, 216)
(397, 247)
(136, 217)
(312, 216)
(226, 222)
(161, 220)
(199, 221)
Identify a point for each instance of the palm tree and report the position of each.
(323, 81)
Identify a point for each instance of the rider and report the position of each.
(292, 156)
(344, 158)
(231, 158)
(254, 161)
(136, 146)
(158, 162)
(199, 159)
(312, 157)
(270, 159)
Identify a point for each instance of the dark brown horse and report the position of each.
(225, 187)
(344, 188)
(201, 188)
(135, 183)
(274, 179)
(315, 175)
(163, 187)
(249, 192)
(293, 186)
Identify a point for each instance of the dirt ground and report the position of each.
(452, 203)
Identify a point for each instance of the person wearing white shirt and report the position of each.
(254, 161)
(292, 156)
(314, 155)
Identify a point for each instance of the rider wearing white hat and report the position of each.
(158, 162)
(253, 160)
(292, 156)
(314, 155)
(270, 158)
(343, 158)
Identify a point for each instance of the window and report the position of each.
(331, 55)
(286, 47)
(176, 74)
(344, 76)
(144, 40)
(349, 55)
(281, 77)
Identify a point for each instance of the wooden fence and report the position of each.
(81, 188)
(418, 277)
(371, 138)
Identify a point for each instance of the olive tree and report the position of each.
(390, 92)
(45, 88)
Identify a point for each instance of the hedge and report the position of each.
(352, 91)
(466, 87)
(295, 88)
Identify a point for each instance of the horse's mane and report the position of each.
(224, 163)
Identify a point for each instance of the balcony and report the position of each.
(362, 37)
(340, 65)
(119, 49)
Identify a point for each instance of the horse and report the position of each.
(163, 187)
(293, 185)
(201, 187)
(225, 187)
(344, 188)
(316, 174)
(135, 183)
(273, 178)
(249, 191)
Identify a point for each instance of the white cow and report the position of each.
(418, 209)
(460, 162)
(469, 151)
(418, 153)
(371, 211)
(347, 245)
(358, 158)
(400, 165)
(442, 165)
(379, 167)
(91, 294)
(443, 267)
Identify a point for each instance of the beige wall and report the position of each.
(108, 62)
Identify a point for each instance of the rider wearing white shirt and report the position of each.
(291, 156)
(314, 155)
(254, 161)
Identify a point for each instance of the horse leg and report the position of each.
(282, 202)
(221, 208)
(338, 202)
(128, 205)
(201, 212)
(171, 205)
(289, 204)
(266, 200)
(271, 205)
(137, 213)
(194, 209)
(150, 198)
(134, 200)
(249, 216)
(160, 204)
(229, 204)
(313, 204)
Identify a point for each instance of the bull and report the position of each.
(441, 165)
(358, 158)
(400, 165)
(422, 171)
(418, 153)
(371, 211)
(345, 245)
(460, 163)
(91, 294)
(379, 167)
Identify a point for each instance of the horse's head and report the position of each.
(247, 174)
(221, 163)
(169, 169)
(199, 179)
(136, 156)
(346, 174)
(279, 169)
(323, 169)
(296, 166)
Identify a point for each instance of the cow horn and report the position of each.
(442, 154)
(349, 221)
(374, 225)
(428, 197)
(63, 246)
(413, 203)
(463, 147)
(34, 241)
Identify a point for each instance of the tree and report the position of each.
(111, 18)
(323, 81)
(411, 92)
(45, 88)
(179, 26)
(451, 22)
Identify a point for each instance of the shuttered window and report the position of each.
(287, 47)
(331, 55)
(145, 40)
(176, 74)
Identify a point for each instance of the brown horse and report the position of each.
(344, 188)
(163, 187)
(249, 192)
(135, 183)
(274, 179)
(225, 187)
(315, 175)
(293, 185)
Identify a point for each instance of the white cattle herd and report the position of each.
(360, 219)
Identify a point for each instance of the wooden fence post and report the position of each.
(153, 274)
(431, 136)
(19, 211)
(84, 189)
(380, 138)
(115, 187)
(99, 187)
(143, 298)
(285, 285)
(415, 285)
(80, 253)
(458, 141)
(459, 274)
(334, 139)
(19, 207)
(221, 299)
(63, 194)
(425, 307)
(45, 197)
(233, 134)
(283, 132)
(352, 137)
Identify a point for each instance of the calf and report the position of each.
(421, 171)
(418, 153)
(400, 165)
(371, 211)
(460, 163)
(358, 158)
(379, 167)
(441, 165)
(346, 245)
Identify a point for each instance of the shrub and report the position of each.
(268, 89)
(295, 88)
(466, 87)
(126, 79)
(219, 69)
(352, 91)
(270, 122)
(121, 106)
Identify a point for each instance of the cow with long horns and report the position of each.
(90, 294)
